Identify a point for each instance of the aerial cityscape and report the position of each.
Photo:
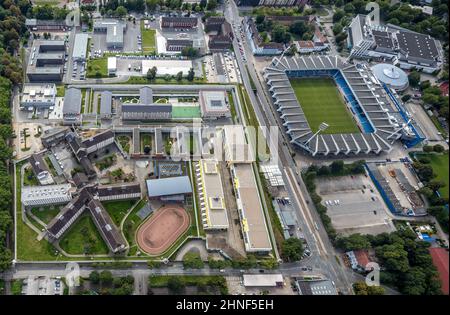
(224, 148)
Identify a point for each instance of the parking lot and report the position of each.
(236, 287)
(42, 286)
(130, 40)
(354, 205)
(221, 68)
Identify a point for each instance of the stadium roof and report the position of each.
(370, 97)
(169, 186)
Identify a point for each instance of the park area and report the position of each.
(321, 102)
(97, 68)
(439, 163)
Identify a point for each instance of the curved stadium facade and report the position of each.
(365, 97)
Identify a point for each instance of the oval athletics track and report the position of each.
(159, 232)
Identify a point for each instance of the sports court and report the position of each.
(321, 102)
(158, 233)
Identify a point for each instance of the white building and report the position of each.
(263, 280)
(213, 104)
(35, 95)
(46, 195)
(112, 66)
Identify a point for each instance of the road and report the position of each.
(324, 255)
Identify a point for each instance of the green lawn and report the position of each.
(439, 163)
(83, 237)
(46, 214)
(125, 142)
(148, 39)
(321, 102)
(131, 224)
(117, 209)
(97, 68)
(60, 90)
(29, 179)
(184, 112)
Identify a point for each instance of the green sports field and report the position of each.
(321, 102)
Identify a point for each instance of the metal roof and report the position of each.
(72, 101)
(80, 46)
(169, 186)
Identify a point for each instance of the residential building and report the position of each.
(34, 196)
(179, 22)
(309, 46)
(38, 96)
(402, 47)
(40, 169)
(146, 112)
(258, 46)
(98, 141)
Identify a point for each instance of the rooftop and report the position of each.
(169, 186)
(264, 280)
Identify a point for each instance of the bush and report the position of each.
(438, 148)
(192, 260)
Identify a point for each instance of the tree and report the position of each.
(191, 74)
(175, 284)
(406, 98)
(179, 76)
(353, 242)
(414, 78)
(427, 148)
(337, 167)
(106, 277)
(151, 4)
(292, 249)
(192, 260)
(338, 15)
(121, 11)
(438, 148)
(189, 52)
(361, 288)
(151, 73)
(212, 5)
(94, 277)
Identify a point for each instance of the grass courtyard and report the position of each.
(148, 39)
(439, 163)
(117, 209)
(321, 102)
(97, 68)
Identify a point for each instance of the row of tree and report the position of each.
(405, 261)
(108, 285)
(151, 75)
(280, 33)
(12, 29)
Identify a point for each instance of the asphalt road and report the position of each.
(324, 256)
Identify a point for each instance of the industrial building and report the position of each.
(72, 106)
(114, 30)
(112, 66)
(380, 114)
(35, 196)
(46, 61)
(36, 96)
(80, 47)
(213, 104)
(164, 67)
(40, 169)
(46, 25)
(403, 47)
(105, 105)
(170, 188)
(212, 201)
(223, 33)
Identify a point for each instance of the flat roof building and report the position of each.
(236, 148)
(46, 195)
(179, 22)
(169, 188)
(38, 96)
(46, 61)
(141, 112)
(72, 106)
(106, 104)
(80, 46)
(316, 287)
(112, 66)
(212, 200)
(46, 25)
(213, 104)
(114, 30)
(250, 209)
(263, 280)
(163, 67)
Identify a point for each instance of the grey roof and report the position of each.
(118, 190)
(100, 137)
(417, 45)
(72, 101)
(316, 287)
(105, 103)
(146, 95)
(370, 99)
(37, 163)
(169, 186)
(114, 33)
(80, 46)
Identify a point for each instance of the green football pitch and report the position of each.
(322, 102)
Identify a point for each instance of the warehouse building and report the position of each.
(105, 105)
(36, 96)
(112, 66)
(46, 25)
(403, 47)
(212, 200)
(72, 107)
(80, 47)
(34, 196)
(114, 30)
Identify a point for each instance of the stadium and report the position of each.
(331, 107)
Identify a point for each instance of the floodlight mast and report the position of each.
(282, 54)
(322, 127)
